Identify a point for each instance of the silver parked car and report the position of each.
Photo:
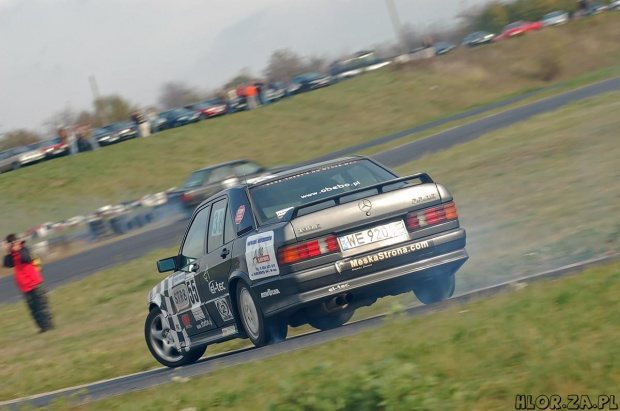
(555, 18)
(16, 157)
(309, 245)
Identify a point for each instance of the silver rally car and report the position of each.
(308, 245)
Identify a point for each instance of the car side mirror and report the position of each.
(167, 264)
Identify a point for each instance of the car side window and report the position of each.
(229, 228)
(216, 225)
(246, 168)
(220, 174)
(194, 244)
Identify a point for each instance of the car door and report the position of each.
(219, 258)
(188, 284)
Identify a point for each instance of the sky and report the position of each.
(50, 48)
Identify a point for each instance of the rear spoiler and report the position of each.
(423, 177)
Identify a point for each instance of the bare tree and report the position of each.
(316, 64)
(284, 63)
(113, 109)
(19, 137)
(61, 118)
(177, 94)
(244, 76)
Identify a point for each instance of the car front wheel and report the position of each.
(257, 328)
(160, 341)
(435, 289)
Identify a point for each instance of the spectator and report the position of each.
(29, 281)
(72, 140)
(251, 92)
(232, 96)
(87, 132)
(152, 118)
(82, 143)
(139, 118)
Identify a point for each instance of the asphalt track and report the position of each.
(80, 265)
(122, 385)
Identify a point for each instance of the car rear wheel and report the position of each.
(260, 331)
(16, 165)
(160, 341)
(331, 321)
(435, 289)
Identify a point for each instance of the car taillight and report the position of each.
(187, 197)
(431, 216)
(308, 249)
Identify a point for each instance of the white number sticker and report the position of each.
(217, 222)
(180, 297)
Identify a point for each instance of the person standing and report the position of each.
(87, 132)
(152, 120)
(251, 92)
(72, 140)
(143, 125)
(29, 281)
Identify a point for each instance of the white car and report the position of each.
(614, 5)
(555, 18)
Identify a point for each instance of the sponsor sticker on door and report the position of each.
(260, 256)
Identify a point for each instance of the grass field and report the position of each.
(550, 338)
(531, 196)
(312, 124)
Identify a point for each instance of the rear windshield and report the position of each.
(273, 199)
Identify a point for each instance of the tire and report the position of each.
(155, 332)
(331, 321)
(435, 289)
(256, 327)
(16, 165)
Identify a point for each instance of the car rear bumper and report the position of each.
(446, 254)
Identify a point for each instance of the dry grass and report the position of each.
(555, 338)
(532, 196)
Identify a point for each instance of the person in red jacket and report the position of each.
(29, 281)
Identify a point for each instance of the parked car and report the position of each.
(177, 117)
(117, 132)
(205, 182)
(308, 245)
(614, 5)
(518, 28)
(52, 148)
(595, 8)
(209, 108)
(17, 157)
(478, 38)
(555, 18)
(275, 91)
(308, 82)
(443, 47)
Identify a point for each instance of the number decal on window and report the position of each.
(217, 222)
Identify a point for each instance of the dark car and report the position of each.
(443, 47)
(308, 245)
(177, 117)
(478, 38)
(114, 133)
(308, 82)
(209, 108)
(203, 183)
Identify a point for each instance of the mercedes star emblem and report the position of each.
(365, 205)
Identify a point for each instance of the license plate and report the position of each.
(373, 235)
